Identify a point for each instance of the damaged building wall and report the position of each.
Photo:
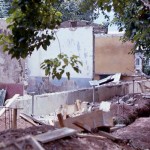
(112, 56)
(78, 41)
(11, 70)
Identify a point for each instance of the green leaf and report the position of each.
(65, 61)
(44, 46)
(68, 75)
(76, 69)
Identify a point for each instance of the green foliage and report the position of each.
(135, 20)
(57, 67)
(29, 22)
(72, 10)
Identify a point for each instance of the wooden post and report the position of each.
(60, 119)
(78, 103)
(14, 123)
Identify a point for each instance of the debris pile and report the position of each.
(117, 123)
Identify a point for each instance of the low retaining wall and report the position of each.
(47, 103)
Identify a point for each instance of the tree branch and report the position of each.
(147, 4)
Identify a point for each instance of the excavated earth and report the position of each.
(68, 143)
(135, 136)
(138, 134)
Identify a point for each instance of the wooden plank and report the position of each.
(116, 77)
(83, 135)
(83, 126)
(10, 101)
(28, 119)
(38, 122)
(112, 129)
(27, 142)
(109, 136)
(35, 144)
(78, 103)
(93, 120)
(94, 83)
(141, 87)
(113, 78)
(55, 135)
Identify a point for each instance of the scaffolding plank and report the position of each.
(55, 135)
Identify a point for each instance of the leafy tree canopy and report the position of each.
(132, 16)
(72, 10)
(135, 21)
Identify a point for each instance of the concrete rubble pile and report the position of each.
(74, 110)
(121, 122)
(98, 122)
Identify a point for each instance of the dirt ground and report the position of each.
(138, 134)
(68, 143)
(135, 136)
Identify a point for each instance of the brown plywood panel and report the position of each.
(112, 56)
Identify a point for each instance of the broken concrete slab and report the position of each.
(93, 119)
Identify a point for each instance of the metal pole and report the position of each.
(93, 94)
(32, 104)
(5, 120)
(133, 88)
(32, 111)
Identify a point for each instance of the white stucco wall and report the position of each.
(78, 41)
(138, 61)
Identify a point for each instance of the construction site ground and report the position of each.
(134, 136)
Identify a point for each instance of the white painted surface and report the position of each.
(138, 61)
(78, 41)
(105, 106)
